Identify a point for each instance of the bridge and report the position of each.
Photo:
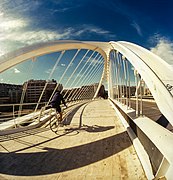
(121, 135)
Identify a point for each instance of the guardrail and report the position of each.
(11, 111)
(32, 118)
(155, 139)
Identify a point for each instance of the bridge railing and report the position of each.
(127, 86)
(11, 116)
(136, 105)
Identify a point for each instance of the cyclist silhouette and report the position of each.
(56, 102)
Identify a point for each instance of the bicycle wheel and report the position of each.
(53, 124)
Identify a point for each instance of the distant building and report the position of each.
(10, 93)
(90, 90)
(122, 89)
(85, 92)
(34, 89)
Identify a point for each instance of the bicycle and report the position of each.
(55, 122)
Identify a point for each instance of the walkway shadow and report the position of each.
(71, 114)
(22, 134)
(51, 160)
(94, 128)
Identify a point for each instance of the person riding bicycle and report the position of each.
(56, 102)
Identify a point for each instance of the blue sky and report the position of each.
(145, 22)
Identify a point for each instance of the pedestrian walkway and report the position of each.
(94, 146)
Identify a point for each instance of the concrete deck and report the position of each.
(94, 146)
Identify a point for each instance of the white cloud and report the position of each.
(14, 7)
(48, 71)
(97, 61)
(1, 14)
(1, 52)
(137, 27)
(90, 29)
(9, 28)
(97, 30)
(16, 70)
(16, 39)
(13, 24)
(62, 9)
(16, 33)
(163, 48)
(31, 37)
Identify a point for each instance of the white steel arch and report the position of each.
(11, 59)
(145, 62)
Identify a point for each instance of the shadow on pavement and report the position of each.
(51, 160)
(94, 128)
